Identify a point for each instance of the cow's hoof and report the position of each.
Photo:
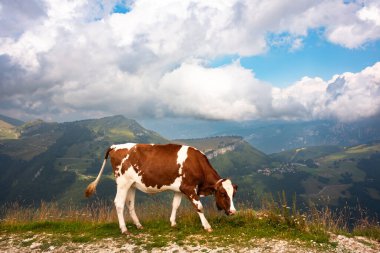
(208, 230)
(174, 225)
(139, 227)
(126, 232)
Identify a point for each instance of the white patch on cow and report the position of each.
(123, 185)
(176, 202)
(204, 221)
(198, 204)
(181, 157)
(227, 185)
(123, 146)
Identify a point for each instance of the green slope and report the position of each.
(8, 131)
(8, 128)
(348, 177)
(305, 153)
(56, 161)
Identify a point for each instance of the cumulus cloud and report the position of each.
(71, 59)
(228, 92)
(352, 96)
(232, 92)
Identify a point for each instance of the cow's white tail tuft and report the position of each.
(91, 188)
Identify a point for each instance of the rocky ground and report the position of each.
(45, 243)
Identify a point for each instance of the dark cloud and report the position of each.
(17, 16)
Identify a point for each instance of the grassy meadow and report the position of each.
(276, 219)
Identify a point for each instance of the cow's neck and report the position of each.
(211, 178)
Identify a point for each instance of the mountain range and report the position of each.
(273, 136)
(55, 162)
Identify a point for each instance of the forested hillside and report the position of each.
(56, 161)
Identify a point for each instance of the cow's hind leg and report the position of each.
(122, 189)
(176, 202)
(131, 206)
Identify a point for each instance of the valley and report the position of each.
(56, 161)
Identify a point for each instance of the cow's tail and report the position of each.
(91, 188)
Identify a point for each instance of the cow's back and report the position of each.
(156, 164)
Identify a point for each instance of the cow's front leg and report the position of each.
(131, 207)
(197, 203)
(122, 189)
(176, 202)
(195, 200)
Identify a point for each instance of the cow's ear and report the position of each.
(235, 187)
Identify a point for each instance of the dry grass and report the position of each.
(275, 212)
(99, 211)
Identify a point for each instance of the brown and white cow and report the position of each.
(155, 168)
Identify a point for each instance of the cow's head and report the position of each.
(224, 193)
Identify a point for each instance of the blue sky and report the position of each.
(121, 7)
(317, 57)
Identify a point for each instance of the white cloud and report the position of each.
(347, 97)
(73, 58)
(228, 92)
(352, 96)
(232, 92)
(370, 13)
(357, 29)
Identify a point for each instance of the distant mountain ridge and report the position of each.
(55, 161)
(272, 136)
(12, 121)
(277, 136)
(213, 146)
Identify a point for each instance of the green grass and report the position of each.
(275, 220)
(236, 231)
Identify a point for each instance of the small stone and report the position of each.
(35, 245)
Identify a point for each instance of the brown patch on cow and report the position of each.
(204, 176)
(116, 157)
(156, 164)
